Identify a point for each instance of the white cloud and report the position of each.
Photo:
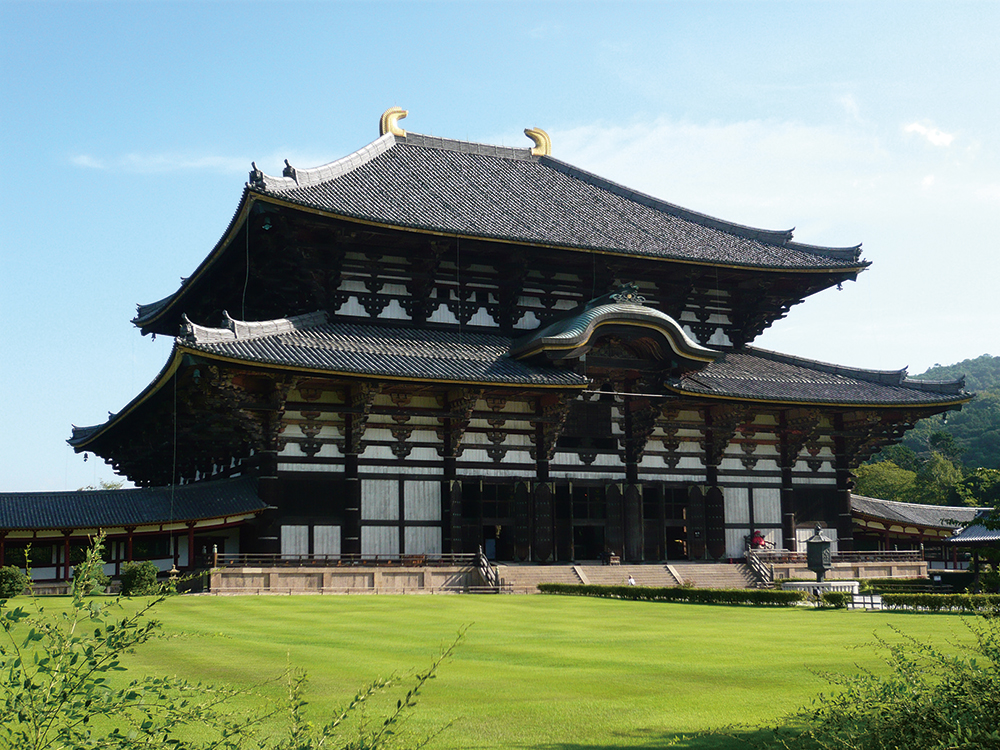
(87, 162)
(165, 162)
(850, 106)
(934, 136)
(837, 184)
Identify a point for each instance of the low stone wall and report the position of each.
(855, 570)
(345, 580)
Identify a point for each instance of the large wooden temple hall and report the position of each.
(431, 346)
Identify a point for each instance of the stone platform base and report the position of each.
(854, 570)
(819, 587)
(344, 580)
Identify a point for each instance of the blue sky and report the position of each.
(128, 130)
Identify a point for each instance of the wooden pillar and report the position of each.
(128, 543)
(350, 541)
(190, 540)
(633, 523)
(66, 535)
(3, 548)
(696, 523)
(522, 521)
(614, 536)
(542, 549)
(787, 493)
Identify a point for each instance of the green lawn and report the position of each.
(565, 673)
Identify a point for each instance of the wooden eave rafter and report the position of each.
(936, 405)
(250, 197)
(182, 352)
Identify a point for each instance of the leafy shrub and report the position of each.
(928, 699)
(966, 603)
(93, 580)
(12, 582)
(54, 672)
(139, 578)
(838, 599)
(760, 597)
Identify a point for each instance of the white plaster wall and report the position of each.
(380, 500)
(295, 540)
(422, 540)
(766, 505)
(379, 540)
(326, 540)
(422, 501)
(737, 505)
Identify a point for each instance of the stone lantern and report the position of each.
(818, 556)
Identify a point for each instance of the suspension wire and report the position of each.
(173, 474)
(458, 277)
(246, 279)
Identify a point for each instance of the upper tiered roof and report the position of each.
(509, 194)
(493, 194)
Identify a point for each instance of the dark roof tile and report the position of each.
(761, 375)
(95, 509)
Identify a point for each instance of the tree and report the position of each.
(981, 488)
(885, 480)
(937, 482)
(54, 673)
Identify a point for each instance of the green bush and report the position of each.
(12, 582)
(93, 581)
(928, 699)
(965, 603)
(760, 597)
(838, 599)
(139, 578)
(54, 670)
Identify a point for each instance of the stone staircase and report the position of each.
(524, 579)
(715, 575)
(617, 575)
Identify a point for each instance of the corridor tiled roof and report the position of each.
(976, 534)
(912, 514)
(761, 375)
(501, 193)
(92, 509)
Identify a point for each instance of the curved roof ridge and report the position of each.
(242, 329)
(295, 178)
(885, 377)
(890, 377)
(773, 236)
(850, 253)
(145, 313)
(576, 328)
(468, 147)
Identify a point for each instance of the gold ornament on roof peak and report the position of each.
(543, 144)
(390, 121)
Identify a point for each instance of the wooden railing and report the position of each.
(487, 571)
(787, 556)
(762, 570)
(336, 561)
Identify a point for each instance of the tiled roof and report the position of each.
(507, 194)
(576, 328)
(761, 375)
(977, 534)
(374, 350)
(90, 509)
(934, 516)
